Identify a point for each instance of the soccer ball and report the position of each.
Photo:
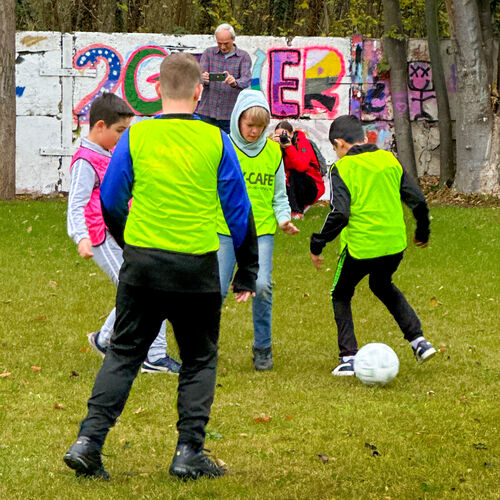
(376, 364)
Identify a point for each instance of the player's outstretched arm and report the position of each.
(239, 218)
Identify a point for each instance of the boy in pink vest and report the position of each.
(109, 117)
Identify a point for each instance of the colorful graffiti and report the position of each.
(311, 82)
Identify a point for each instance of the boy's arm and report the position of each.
(337, 219)
(83, 182)
(239, 217)
(412, 196)
(281, 206)
(116, 189)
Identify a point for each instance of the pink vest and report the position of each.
(93, 212)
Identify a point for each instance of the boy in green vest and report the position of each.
(176, 167)
(367, 187)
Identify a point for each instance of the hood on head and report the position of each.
(247, 98)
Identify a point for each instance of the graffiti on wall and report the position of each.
(313, 82)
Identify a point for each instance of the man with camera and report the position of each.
(304, 182)
(226, 72)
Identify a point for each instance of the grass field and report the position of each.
(431, 433)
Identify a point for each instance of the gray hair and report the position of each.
(227, 27)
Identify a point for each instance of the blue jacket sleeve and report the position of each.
(116, 189)
(239, 217)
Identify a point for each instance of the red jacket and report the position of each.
(301, 157)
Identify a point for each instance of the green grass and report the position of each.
(435, 426)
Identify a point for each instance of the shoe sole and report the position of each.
(427, 355)
(94, 346)
(81, 468)
(154, 370)
(343, 374)
(186, 474)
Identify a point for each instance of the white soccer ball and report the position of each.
(376, 364)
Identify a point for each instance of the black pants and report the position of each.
(301, 190)
(195, 318)
(350, 272)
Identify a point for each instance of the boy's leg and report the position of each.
(262, 303)
(381, 285)
(348, 274)
(138, 318)
(301, 191)
(108, 257)
(195, 318)
(262, 306)
(227, 262)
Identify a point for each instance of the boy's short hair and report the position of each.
(258, 114)
(285, 125)
(180, 73)
(110, 109)
(348, 128)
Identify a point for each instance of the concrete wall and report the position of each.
(309, 81)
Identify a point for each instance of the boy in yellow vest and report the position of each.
(367, 187)
(176, 167)
(262, 166)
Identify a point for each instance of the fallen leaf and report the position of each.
(74, 374)
(53, 283)
(480, 446)
(430, 393)
(85, 348)
(5, 374)
(262, 419)
(324, 458)
(244, 434)
(58, 406)
(29, 229)
(36, 368)
(288, 417)
(306, 295)
(434, 303)
(139, 410)
(220, 463)
(41, 318)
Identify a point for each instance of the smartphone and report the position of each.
(217, 77)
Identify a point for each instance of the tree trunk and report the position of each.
(7, 100)
(476, 131)
(446, 166)
(315, 10)
(395, 51)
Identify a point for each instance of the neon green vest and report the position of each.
(376, 226)
(259, 173)
(174, 204)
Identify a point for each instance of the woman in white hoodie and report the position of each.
(262, 167)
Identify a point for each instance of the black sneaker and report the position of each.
(84, 457)
(262, 358)
(190, 464)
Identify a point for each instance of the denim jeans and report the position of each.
(262, 303)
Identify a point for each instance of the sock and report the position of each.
(415, 342)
